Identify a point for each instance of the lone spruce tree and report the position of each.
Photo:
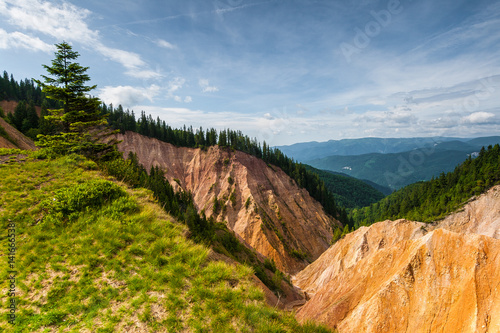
(79, 125)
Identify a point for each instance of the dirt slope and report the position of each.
(402, 276)
(260, 203)
(10, 106)
(20, 140)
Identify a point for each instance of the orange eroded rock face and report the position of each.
(354, 247)
(442, 282)
(260, 203)
(402, 276)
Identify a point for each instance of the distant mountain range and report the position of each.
(392, 163)
(308, 151)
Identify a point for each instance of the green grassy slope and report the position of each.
(94, 255)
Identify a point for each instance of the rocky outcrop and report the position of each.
(259, 202)
(403, 276)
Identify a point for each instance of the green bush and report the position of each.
(230, 242)
(247, 203)
(68, 202)
(298, 254)
(270, 264)
(232, 197)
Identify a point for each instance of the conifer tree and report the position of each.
(81, 128)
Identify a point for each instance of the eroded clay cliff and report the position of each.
(259, 202)
(403, 276)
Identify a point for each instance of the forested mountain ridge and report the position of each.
(396, 170)
(348, 191)
(308, 151)
(434, 199)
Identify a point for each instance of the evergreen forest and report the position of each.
(432, 200)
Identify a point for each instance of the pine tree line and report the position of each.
(25, 90)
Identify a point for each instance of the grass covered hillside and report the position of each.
(89, 254)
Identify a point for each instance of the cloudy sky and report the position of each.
(283, 71)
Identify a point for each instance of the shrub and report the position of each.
(337, 234)
(247, 203)
(232, 197)
(230, 242)
(298, 254)
(216, 206)
(270, 264)
(67, 202)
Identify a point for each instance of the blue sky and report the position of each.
(282, 71)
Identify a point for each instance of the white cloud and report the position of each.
(65, 21)
(165, 44)
(128, 96)
(135, 66)
(400, 117)
(205, 86)
(479, 118)
(23, 41)
(128, 59)
(175, 84)
(188, 99)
